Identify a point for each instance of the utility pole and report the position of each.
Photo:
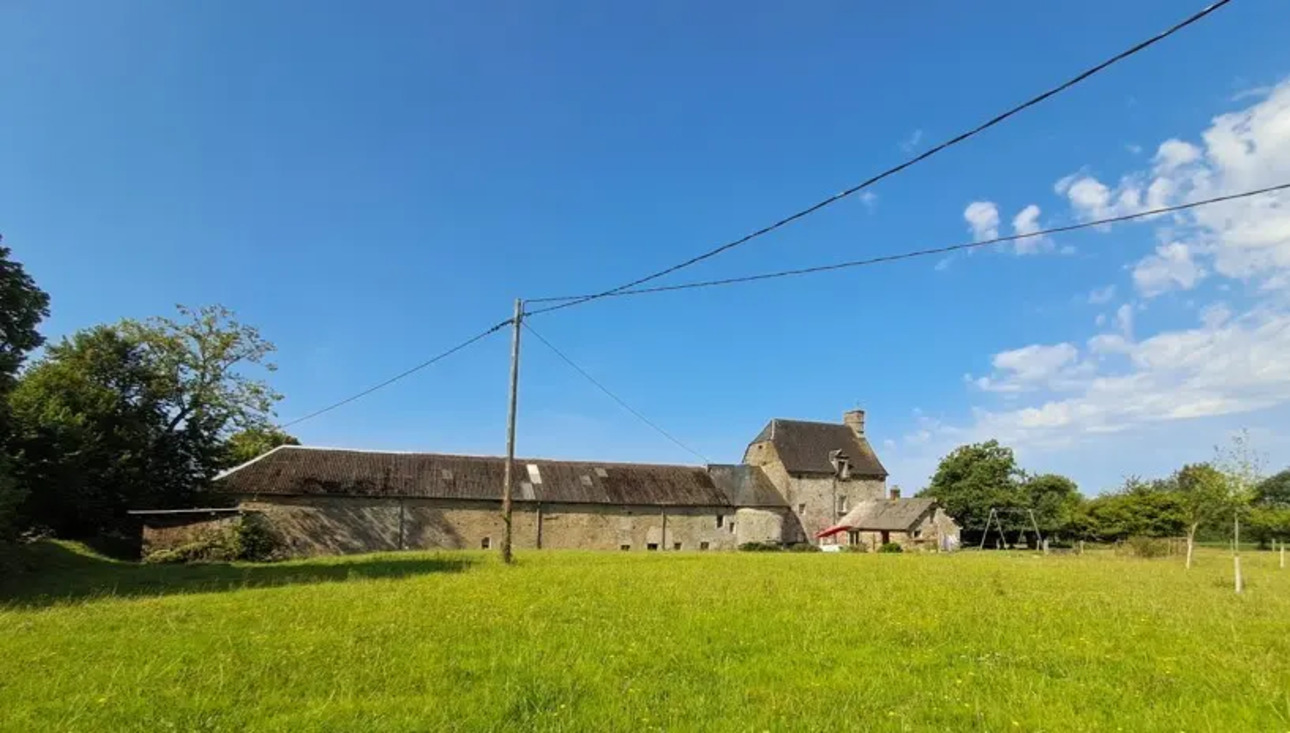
(509, 475)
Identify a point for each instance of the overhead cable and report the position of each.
(942, 250)
(570, 301)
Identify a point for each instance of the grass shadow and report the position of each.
(51, 573)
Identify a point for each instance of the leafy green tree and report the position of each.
(1137, 509)
(1204, 495)
(22, 307)
(136, 415)
(1270, 512)
(1054, 499)
(245, 445)
(974, 478)
(1274, 491)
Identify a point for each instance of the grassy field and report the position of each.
(674, 641)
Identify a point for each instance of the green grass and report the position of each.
(636, 641)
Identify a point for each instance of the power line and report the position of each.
(578, 300)
(613, 396)
(939, 250)
(401, 375)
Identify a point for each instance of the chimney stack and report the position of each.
(854, 419)
(895, 493)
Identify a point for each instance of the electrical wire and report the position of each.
(940, 250)
(571, 301)
(613, 396)
(400, 375)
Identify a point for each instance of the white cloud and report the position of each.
(1027, 222)
(1174, 154)
(1098, 296)
(1171, 267)
(983, 219)
(869, 199)
(1124, 320)
(1031, 368)
(910, 143)
(1133, 149)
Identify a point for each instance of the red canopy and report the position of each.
(835, 529)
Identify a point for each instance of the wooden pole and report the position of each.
(1282, 544)
(1236, 550)
(508, 477)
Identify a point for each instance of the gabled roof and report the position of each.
(804, 447)
(300, 470)
(886, 514)
(746, 485)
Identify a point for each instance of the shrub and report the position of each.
(257, 540)
(856, 547)
(803, 547)
(891, 547)
(252, 539)
(1146, 547)
(760, 547)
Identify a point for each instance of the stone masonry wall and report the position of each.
(339, 525)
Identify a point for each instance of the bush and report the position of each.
(257, 541)
(760, 547)
(1146, 547)
(856, 547)
(803, 547)
(252, 539)
(891, 547)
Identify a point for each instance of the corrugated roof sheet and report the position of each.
(804, 447)
(886, 514)
(746, 485)
(298, 470)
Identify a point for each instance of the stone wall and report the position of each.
(167, 532)
(339, 525)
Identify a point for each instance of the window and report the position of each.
(624, 547)
(853, 537)
(485, 543)
(676, 545)
(801, 509)
(703, 545)
(651, 546)
(918, 533)
(586, 481)
(842, 505)
(720, 521)
(732, 528)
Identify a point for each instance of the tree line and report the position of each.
(1196, 499)
(120, 416)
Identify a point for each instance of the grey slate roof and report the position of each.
(299, 470)
(804, 447)
(746, 485)
(886, 514)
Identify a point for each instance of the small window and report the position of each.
(651, 546)
(732, 528)
(535, 476)
(676, 545)
(721, 521)
(586, 481)
(602, 473)
(801, 509)
(703, 545)
(918, 533)
(485, 543)
(624, 548)
(842, 505)
(853, 537)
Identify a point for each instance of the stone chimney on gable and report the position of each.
(854, 419)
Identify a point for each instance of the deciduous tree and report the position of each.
(22, 307)
(136, 415)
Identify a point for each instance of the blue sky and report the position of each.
(371, 183)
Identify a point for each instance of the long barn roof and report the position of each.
(300, 470)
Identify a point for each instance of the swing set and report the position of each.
(994, 517)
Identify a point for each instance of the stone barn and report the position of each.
(326, 501)
(798, 479)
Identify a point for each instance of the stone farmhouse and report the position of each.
(797, 480)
